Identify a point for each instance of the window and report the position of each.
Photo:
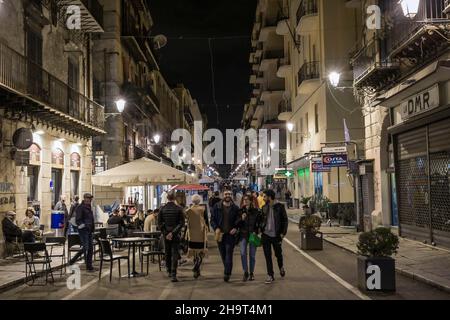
(33, 179)
(307, 123)
(316, 118)
(56, 185)
(75, 183)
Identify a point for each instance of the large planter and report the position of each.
(311, 241)
(376, 274)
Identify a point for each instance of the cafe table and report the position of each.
(133, 242)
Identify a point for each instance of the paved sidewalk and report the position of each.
(12, 270)
(414, 259)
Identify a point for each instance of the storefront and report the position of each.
(421, 137)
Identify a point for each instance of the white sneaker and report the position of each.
(270, 280)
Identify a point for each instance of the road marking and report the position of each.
(166, 292)
(83, 288)
(341, 281)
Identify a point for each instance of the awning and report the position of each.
(142, 172)
(190, 187)
(206, 180)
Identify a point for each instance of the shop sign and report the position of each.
(334, 160)
(335, 150)
(100, 163)
(317, 166)
(420, 103)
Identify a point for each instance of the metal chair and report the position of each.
(73, 244)
(107, 255)
(61, 243)
(13, 246)
(152, 252)
(32, 259)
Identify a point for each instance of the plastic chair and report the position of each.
(107, 255)
(32, 259)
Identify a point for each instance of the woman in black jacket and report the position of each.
(250, 219)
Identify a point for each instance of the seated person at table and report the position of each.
(12, 232)
(150, 221)
(116, 219)
(31, 221)
(138, 220)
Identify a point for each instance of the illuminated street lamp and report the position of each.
(120, 104)
(410, 8)
(157, 138)
(290, 127)
(334, 78)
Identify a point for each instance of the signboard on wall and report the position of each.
(7, 197)
(317, 166)
(420, 103)
(99, 162)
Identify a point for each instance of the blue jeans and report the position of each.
(244, 245)
(226, 248)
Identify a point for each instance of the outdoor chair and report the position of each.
(152, 252)
(60, 243)
(73, 244)
(11, 247)
(106, 255)
(37, 254)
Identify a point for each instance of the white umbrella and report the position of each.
(142, 172)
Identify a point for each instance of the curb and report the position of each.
(403, 272)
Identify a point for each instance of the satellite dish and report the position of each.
(160, 41)
(23, 138)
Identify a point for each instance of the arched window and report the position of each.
(58, 158)
(35, 155)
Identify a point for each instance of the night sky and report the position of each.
(186, 59)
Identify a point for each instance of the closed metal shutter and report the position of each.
(439, 137)
(413, 192)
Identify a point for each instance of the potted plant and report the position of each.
(376, 267)
(310, 236)
(346, 214)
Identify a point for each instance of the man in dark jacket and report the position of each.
(12, 232)
(214, 200)
(274, 228)
(170, 221)
(86, 227)
(225, 219)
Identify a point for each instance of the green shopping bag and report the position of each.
(254, 240)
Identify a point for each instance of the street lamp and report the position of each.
(157, 138)
(272, 145)
(290, 126)
(410, 8)
(334, 78)
(120, 104)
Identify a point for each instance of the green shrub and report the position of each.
(310, 223)
(380, 242)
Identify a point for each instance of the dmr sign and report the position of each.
(420, 103)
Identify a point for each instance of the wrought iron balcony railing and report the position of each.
(21, 75)
(309, 71)
(273, 54)
(306, 7)
(404, 30)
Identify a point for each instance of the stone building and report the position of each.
(46, 86)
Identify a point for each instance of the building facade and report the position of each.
(49, 104)
(401, 74)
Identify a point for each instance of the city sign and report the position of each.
(334, 160)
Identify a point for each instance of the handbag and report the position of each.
(254, 240)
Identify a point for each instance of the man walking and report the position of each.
(274, 228)
(224, 221)
(86, 225)
(171, 221)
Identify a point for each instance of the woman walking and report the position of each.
(250, 221)
(197, 233)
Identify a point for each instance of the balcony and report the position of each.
(142, 93)
(309, 71)
(26, 88)
(284, 110)
(91, 14)
(370, 69)
(423, 36)
(307, 16)
(447, 7)
(284, 68)
(271, 57)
